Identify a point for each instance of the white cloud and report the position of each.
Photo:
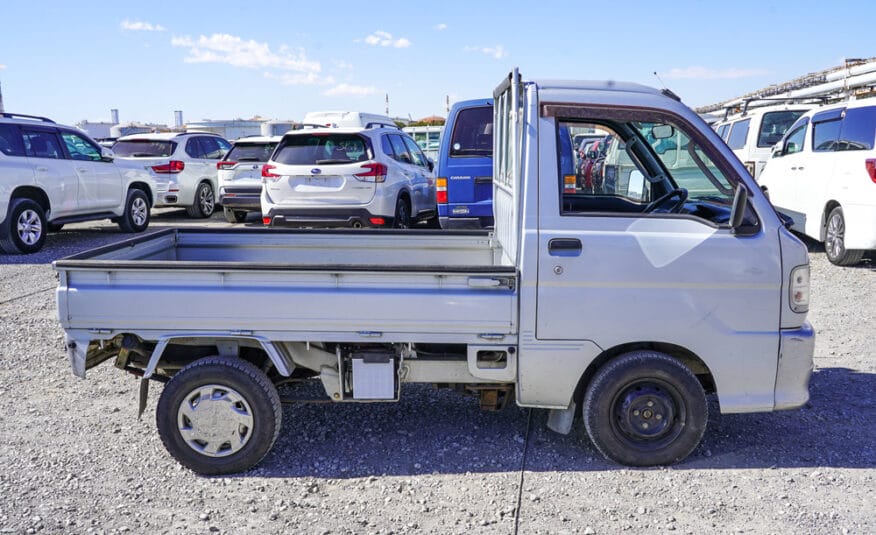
(703, 73)
(497, 52)
(139, 26)
(440, 27)
(348, 90)
(305, 78)
(342, 65)
(232, 50)
(2, 66)
(381, 38)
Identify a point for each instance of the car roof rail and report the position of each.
(24, 116)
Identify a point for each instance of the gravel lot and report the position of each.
(75, 459)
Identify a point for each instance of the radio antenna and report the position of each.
(660, 80)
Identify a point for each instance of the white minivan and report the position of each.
(752, 133)
(823, 175)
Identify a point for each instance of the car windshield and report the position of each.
(144, 148)
(322, 149)
(251, 152)
(774, 125)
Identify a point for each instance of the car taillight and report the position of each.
(171, 168)
(376, 172)
(225, 165)
(569, 182)
(441, 190)
(377, 221)
(871, 168)
(799, 289)
(267, 174)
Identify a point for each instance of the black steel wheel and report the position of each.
(219, 415)
(645, 408)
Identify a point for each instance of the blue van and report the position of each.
(465, 166)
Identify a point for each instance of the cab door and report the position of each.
(100, 182)
(611, 273)
(53, 172)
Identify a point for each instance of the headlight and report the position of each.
(799, 289)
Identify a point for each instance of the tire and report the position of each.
(645, 408)
(205, 202)
(235, 216)
(834, 240)
(402, 217)
(27, 227)
(237, 427)
(136, 215)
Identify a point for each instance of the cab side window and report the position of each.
(738, 134)
(794, 140)
(193, 148)
(10, 141)
(80, 148)
(858, 129)
(43, 144)
(415, 152)
(399, 149)
(210, 147)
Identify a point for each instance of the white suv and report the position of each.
(185, 164)
(240, 175)
(823, 175)
(348, 177)
(52, 174)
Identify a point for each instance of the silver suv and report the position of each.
(52, 174)
(185, 164)
(348, 177)
(240, 175)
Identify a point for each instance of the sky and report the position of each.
(74, 61)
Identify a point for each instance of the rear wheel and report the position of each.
(402, 214)
(27, 227)
(136, 216)
(219, 415)
(645, 408)
(235, 216)
(834, 240)
(205, 202)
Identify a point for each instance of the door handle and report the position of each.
(564, 247)
(42, 169)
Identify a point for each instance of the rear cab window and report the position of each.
(144, 148)
(322, 149)
(251, 152)
(472, 134)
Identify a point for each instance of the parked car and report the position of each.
(465, 166)
(185, 164)
(348, 177)
(52, 174)
(752, 133)
(823, 176)
(240, 176)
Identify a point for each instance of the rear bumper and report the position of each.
(326, 217)
(796, 349)
(248, 197)
(465, 222)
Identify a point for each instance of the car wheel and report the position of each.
(834, 240)
(136, 215)
(27, 227)
(645, 408)
(402, 214)
(235, 216)
(205, 202)
(219, 415)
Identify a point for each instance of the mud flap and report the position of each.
(560, 420)
(144, 393)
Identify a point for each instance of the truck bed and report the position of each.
(293, 285)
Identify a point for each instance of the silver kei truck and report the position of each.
(625, 307)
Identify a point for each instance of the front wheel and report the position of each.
(136, 216)
(205, 202)
(27, 227)
(645, 408)
(219, 415)
(834, 240)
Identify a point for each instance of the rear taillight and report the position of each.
(171, 168)
(375, 172)
(267, 174)
(871, 168)
(569, 182)
(228, 164)
(377, 221)
(799, 289)
(441, 190)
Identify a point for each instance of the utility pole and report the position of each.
(387, 104)
(2, 110)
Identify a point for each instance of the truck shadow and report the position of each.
(441, 432)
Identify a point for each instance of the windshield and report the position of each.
(322, 149)
(251, 152)
(473, 133)
(144, 148)
(774, 125)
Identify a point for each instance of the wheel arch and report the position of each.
(144, 187)
(281, 361)
(685, 356)
(33, 193)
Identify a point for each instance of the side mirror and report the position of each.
(790, 148)
(740, 203)
(663, 131)
(766, 191)
(106, 154)
(636, 185)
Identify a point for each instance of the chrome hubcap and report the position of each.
(29, 227)
(139, 211)
(835, 234)
(215, 420)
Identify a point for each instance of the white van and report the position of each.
(823, 175)
(751, 133)
(354, 119)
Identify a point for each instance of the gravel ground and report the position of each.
(75, 459)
